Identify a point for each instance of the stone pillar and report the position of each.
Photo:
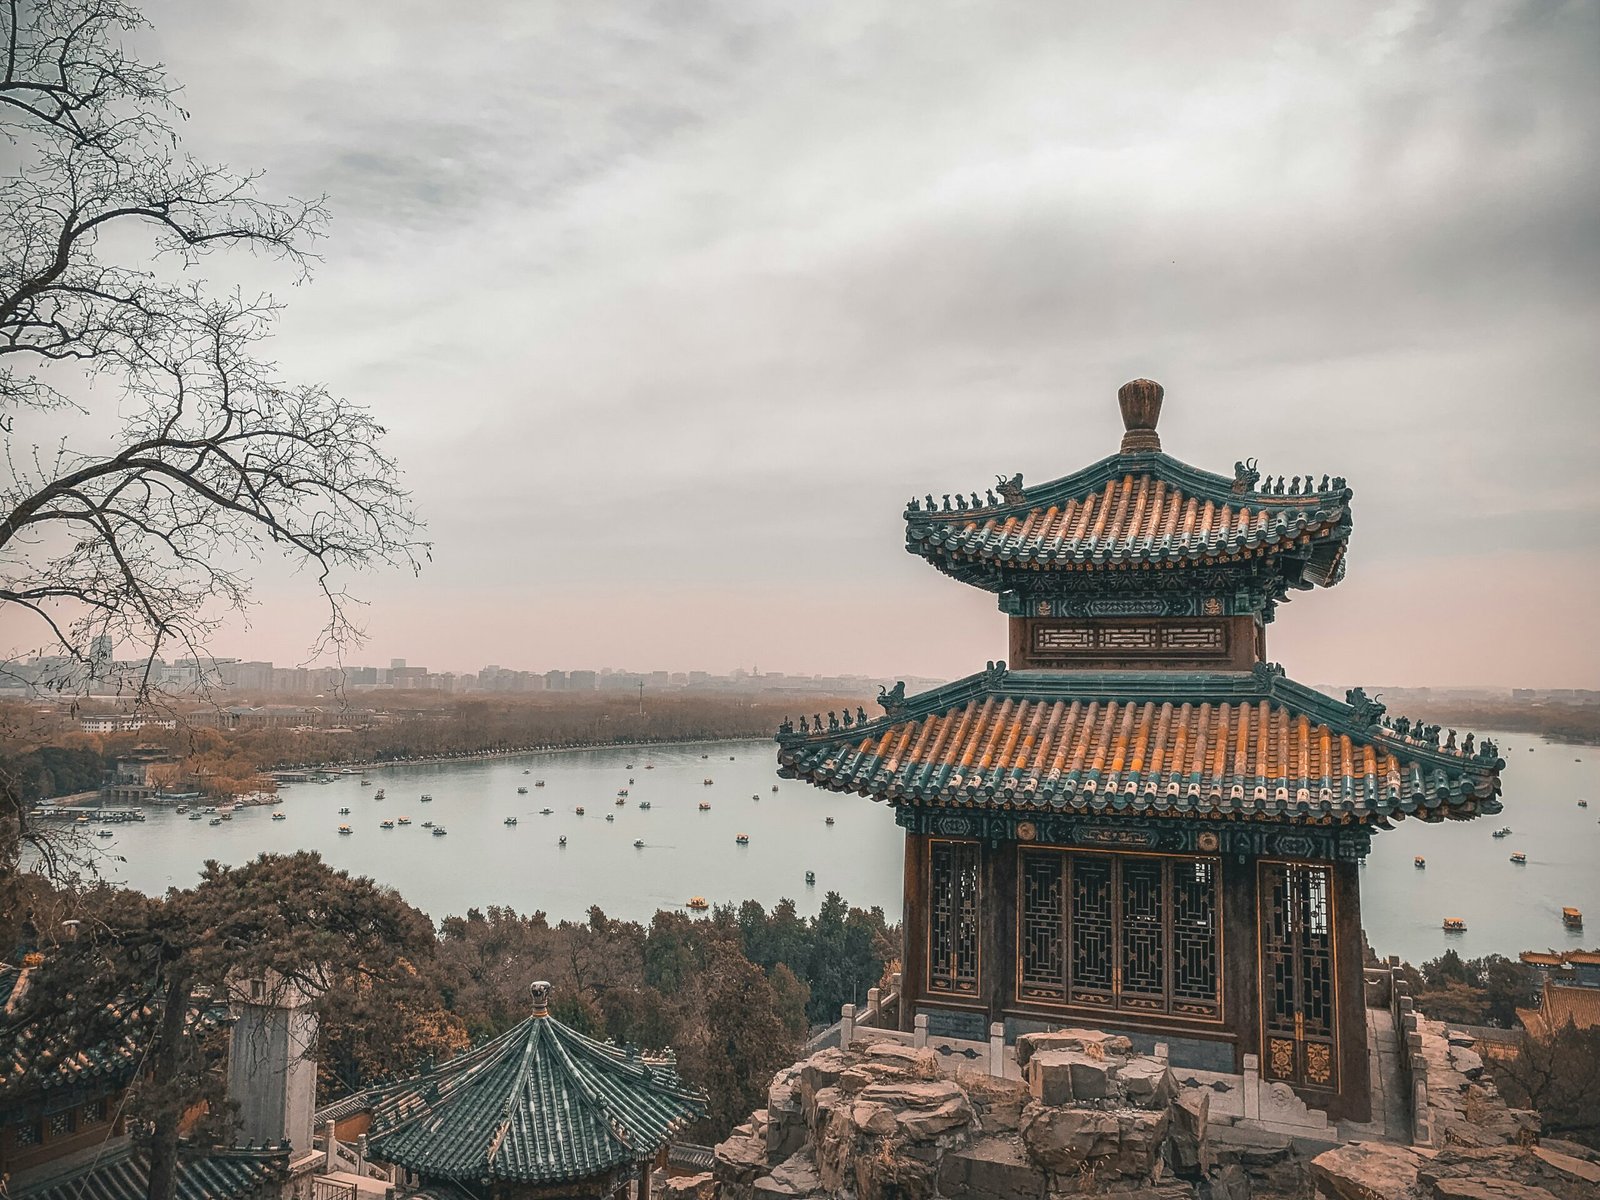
(874, 1006)
(920, 1031)
(271, 1075)
(329, 1140)
(997, 1049)
(847, 1025)
(1252, 1087)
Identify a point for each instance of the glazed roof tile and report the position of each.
(124, 1174)
(35, 1059)
(1242, 746)
(541, 1103)
(1133, 510)
(1560, 1005)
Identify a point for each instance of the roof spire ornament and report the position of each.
(1140, 401)
(540, 990)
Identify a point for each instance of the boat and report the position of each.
(366, 783)
(1583, 804)
(579, 810)
(621, 800)
(1504, 831)
(705, 783)
(403, 821)
(1455, 925)
(562, 840)
(630, 766)
(344, 812)
(698, 903)
(378, 795)
(622, 793)
(104, 833)
(774, 787)
(216, 820)
(509, 821)
(705, 756)
(210, 808)
(182, 808)
(527, 772)
(278, 816)
(730, 758)
(1419, 862)
(1519, 857)
(611, 816)
(227, 816)
(644, 804)
(755, 795)
(638, 844)
(811, 876)
(1572, 918)
(538, 783)
(545, 812)
(426, 799)
(630, 779)
(85, 820)
(522, 791)
(345, 829)
(194, 816)
(385, 824)
(829, 821)
(743, 839)
(438, 831)
(705, 806)
(649, 766)
(427, 824)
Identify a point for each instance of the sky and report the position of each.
(670, 307)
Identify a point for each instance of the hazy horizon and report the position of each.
(669, 309)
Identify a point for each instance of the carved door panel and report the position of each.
(1297, 984)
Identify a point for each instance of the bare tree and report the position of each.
(214, 461)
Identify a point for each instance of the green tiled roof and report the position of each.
(541, 1103)
(124, 1174)
(1241, 746)
(33, 1060)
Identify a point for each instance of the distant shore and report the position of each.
(513, 752)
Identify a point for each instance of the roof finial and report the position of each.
(1140, 401)
(541, 998)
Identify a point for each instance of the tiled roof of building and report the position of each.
(34, 1059)
(1148, 743)
(345, 1106)
(1561, 1005)
(123, 1173)
(541, 1103)
(1139, 510)
(1541, 958)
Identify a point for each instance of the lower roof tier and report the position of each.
(1242, 746)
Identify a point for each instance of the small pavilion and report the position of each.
(1142, 824)
(540, 1111)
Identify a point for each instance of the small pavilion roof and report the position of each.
(1240, 746)
(1138, 508)
(539, 1104)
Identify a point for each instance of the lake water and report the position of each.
(687, 852)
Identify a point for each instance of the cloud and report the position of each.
(684, 301)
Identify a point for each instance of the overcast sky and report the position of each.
(670, 307)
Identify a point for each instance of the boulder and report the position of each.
(689, 1187)
(1061, 1076)
(1229, 1183)
(997, 1102)
(1187, 1144)
(1487, 1189)
(1064, 1140)
(1092, 1041)
(738, 1162)
(820, 1071)
(1522, 1172)
(1459, 1037)
(1466, 1060)
(921, 1062)
(1366, 1171)
(1147, 1082)
(786, 1119)
(921, 1109)
(796, 1176)
(1140, 1134)
(992, 1168)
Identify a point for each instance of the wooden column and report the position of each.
(914, 928)
(1241, 957)
(997, 929)
(1355, 1082)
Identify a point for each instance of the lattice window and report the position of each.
(1094, 976)
(1141, 932)
(1132, 637)
(27, 1134)
(1194, 938)
(1297, 972)
(60, 1124)
(1191, 637)
(1042, 972)
(953, 918)
(1144, 934)
(96, 1112)
(1056, 637)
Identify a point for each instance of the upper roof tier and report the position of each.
(1139, 508)
(540, 1104)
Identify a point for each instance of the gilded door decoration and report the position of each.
(953, 918)
(1297, 982)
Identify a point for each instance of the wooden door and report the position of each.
(1297, 974)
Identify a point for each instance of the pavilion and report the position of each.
(1142, 824)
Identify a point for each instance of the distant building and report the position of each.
(555, 681)
(582, 681)
(1561, 1005)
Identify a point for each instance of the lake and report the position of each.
(687, 852)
